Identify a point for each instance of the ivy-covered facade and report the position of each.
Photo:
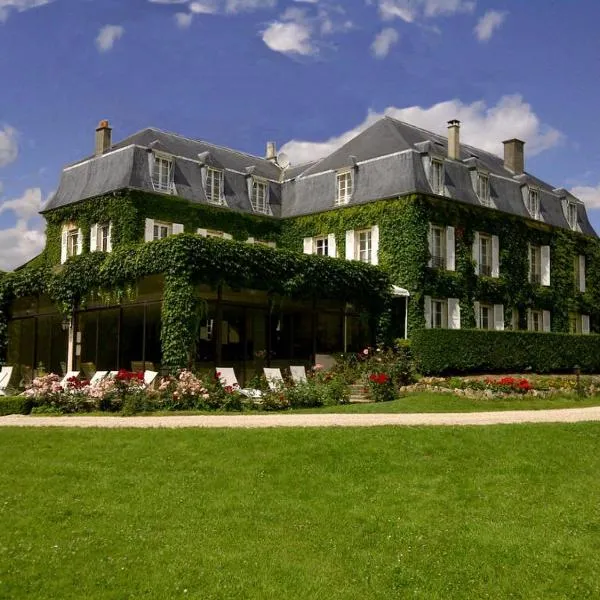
(170, 251)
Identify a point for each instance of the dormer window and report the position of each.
(162, 174)
(437, 177)
(345, 187)
(259, 196)
(214, 185)
(533, 203)
(483, 188)
(572, 215)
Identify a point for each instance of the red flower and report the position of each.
(379, 378)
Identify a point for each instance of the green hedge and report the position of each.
(441, 351)
(11, 405)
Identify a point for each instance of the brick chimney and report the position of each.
(514, 156)
(271, 153)
(454, 139)
(103, 138)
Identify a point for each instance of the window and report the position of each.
(486, 316)
(363, 239)
(72, 242)
(162, 230)
(533, 203)
(437, 177)
(344, 187)
(572, 215)
(439, 314)
(536, 320)
(579, 269)
(438, 247)
(162, 174)
(103, 239)
(485, 255)
(321, 246)
(574, 323)
(535, 264)
(483, 188)
(214, 185)
(258, 197)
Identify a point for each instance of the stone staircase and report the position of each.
(358, 395)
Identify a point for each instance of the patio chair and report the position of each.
(26, 376)
(150, 378)
(112, 374)
(298, 374)
(98, 377)
(65, 379)
(228, 378)
(139, 366)
(274, 378)
(88, 368)
(5, 376)
(327, 361)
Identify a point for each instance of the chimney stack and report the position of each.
(454, 139)
(271, 152)
(514, 156)
(103, 138)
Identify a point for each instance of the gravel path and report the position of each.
(568, 415)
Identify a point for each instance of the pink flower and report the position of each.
(365, 351)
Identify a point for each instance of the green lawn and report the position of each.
(427, 513)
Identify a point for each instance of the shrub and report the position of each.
(381, 387)
(438, 351)
(20, 405)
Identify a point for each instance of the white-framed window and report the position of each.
(214, 185)
(364, 245)
(259, 196)
(438, 247)
(321, 245)
(574, 322)
(485, 255)
(439, 313)
(344, 187)
(103, 240)
(486, 316)
(437, 176)
(535, 264)
(533, 203)
(73, 242)
(161, 230)
(162, 174)
(536, 320)
(572, 215)
(483, 188)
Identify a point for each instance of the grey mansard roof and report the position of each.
(388, 160)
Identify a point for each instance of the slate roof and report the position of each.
(389, 157)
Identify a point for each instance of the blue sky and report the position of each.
(308, 74)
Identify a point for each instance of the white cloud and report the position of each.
(486, 26)
(481, 126)
(22, 242)
(288, 38)
(107, 37)
(184, 20)
(383, 42)
(236, 6)
(411, 10)
(19, 5)
(203, 8)
(588, 194)
(9, 148)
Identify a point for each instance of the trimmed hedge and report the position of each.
(15, 405)
(442, 351)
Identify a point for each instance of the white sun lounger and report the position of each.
(66, 378)
(5, 376)
(298, 374)
(228, 378)
(274, 378)
(98, 377)
(150, 378)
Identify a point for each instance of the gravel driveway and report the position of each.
(568, 415)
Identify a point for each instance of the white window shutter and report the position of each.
(430, 241)
(499, 317)
(476, 252)
(546, 320)
(308, 245)
(94, 237)
(331, 245)
(177, 228)
(545, 265)
(495, 256)
(582, 282)
(453, 313)
(149, 230)
(204, 232)
(79, 241)
(63, 245)
(250, 240)
(109, 240)
(450, 249)
(204, 176)
(476, 308)
(227, 236)
(427, 311)
(375, 245)
(529, 320)
(529, 259)
(272, 244)
(350, 245)
(585, 324)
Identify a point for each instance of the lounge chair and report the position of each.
(65, 379)
(327, 361)
(298, 374)
(274, 378)
(98, 377)
(150, 378)
(139, 366)
(88, 369)
(5, 377)
(228, 378)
